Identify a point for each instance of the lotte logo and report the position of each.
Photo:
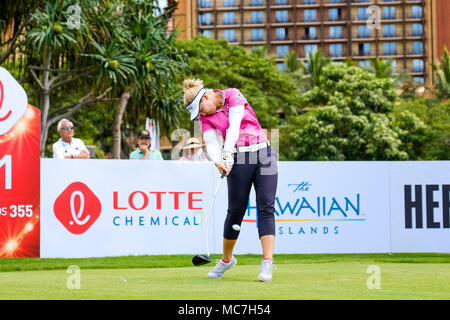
(13, 101)
(77, 208)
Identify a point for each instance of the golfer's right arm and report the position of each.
(214, 149)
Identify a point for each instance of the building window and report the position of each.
(281, 66)
(256, 3)
(334, 14)
(229, 35)
(336, 32)
(282, 16)
(363, 31)
(364, 49)
(257, 48)
(394, 66)
(204, 3)
(309, 15)
(389, 30)
(417, 47)
(257, 16)
(419, 79)
(206, 33)
(363, 14)
(229, 18)
(310, 48)
(257, 34)
(336, 50)
(418, 65)
(281, 33)
(364, 64)
(204, 19)
(281, 2)
(309, 1)
(390, 48)
(310, 33)
(388, 12)
(417, 12)
(417, 29)
(229, 3)
(282, 51)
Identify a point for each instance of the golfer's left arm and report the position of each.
(235, 117)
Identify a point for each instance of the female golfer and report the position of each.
(247, 159)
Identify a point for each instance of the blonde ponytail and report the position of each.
(191, 87)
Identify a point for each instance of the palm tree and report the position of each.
(312, 68)
(139, 61)
(54, 47)
(292, 63)
(384, 69)
(442, 84)
(15, 18)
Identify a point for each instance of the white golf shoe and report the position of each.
(265, 273)
(220, 268)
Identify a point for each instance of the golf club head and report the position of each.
(200, 259)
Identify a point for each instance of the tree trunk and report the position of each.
(45, 101)
(117, 134)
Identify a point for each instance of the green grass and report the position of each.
(326, 276)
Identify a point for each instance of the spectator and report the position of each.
(143, 150)
(108, 155)
(68, 147)
(195, 150)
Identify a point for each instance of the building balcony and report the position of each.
(337, 21)
(335, 40)
(361, 54)
(254, 4)
(227, 24)
(279, 23)
(208, 25)
(390, 37)
(227, 5)
(308, 4)
(414, 54)
(362, 38)
(357, 3)
(391, 55)
(414, 36)
(329, 4)
(303, 22)
(281, 4)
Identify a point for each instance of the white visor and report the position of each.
(194, 106)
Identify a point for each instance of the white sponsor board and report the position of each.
(146, 207)
(420, 217)
(326, 208)
(95, 208)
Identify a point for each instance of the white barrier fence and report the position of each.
(94, 208)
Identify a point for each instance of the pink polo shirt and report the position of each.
(250, 131)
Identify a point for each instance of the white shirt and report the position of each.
(62, 149)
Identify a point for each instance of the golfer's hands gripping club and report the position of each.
(226, 164)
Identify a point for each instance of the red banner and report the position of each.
(19, 174)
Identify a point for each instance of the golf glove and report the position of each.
(227, 159)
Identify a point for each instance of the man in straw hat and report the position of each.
(194, 151)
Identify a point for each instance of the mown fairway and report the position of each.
(402, 276)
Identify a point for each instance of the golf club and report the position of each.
(201, 259)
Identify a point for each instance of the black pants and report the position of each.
(260, 169)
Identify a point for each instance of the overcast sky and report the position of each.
(162, 3)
